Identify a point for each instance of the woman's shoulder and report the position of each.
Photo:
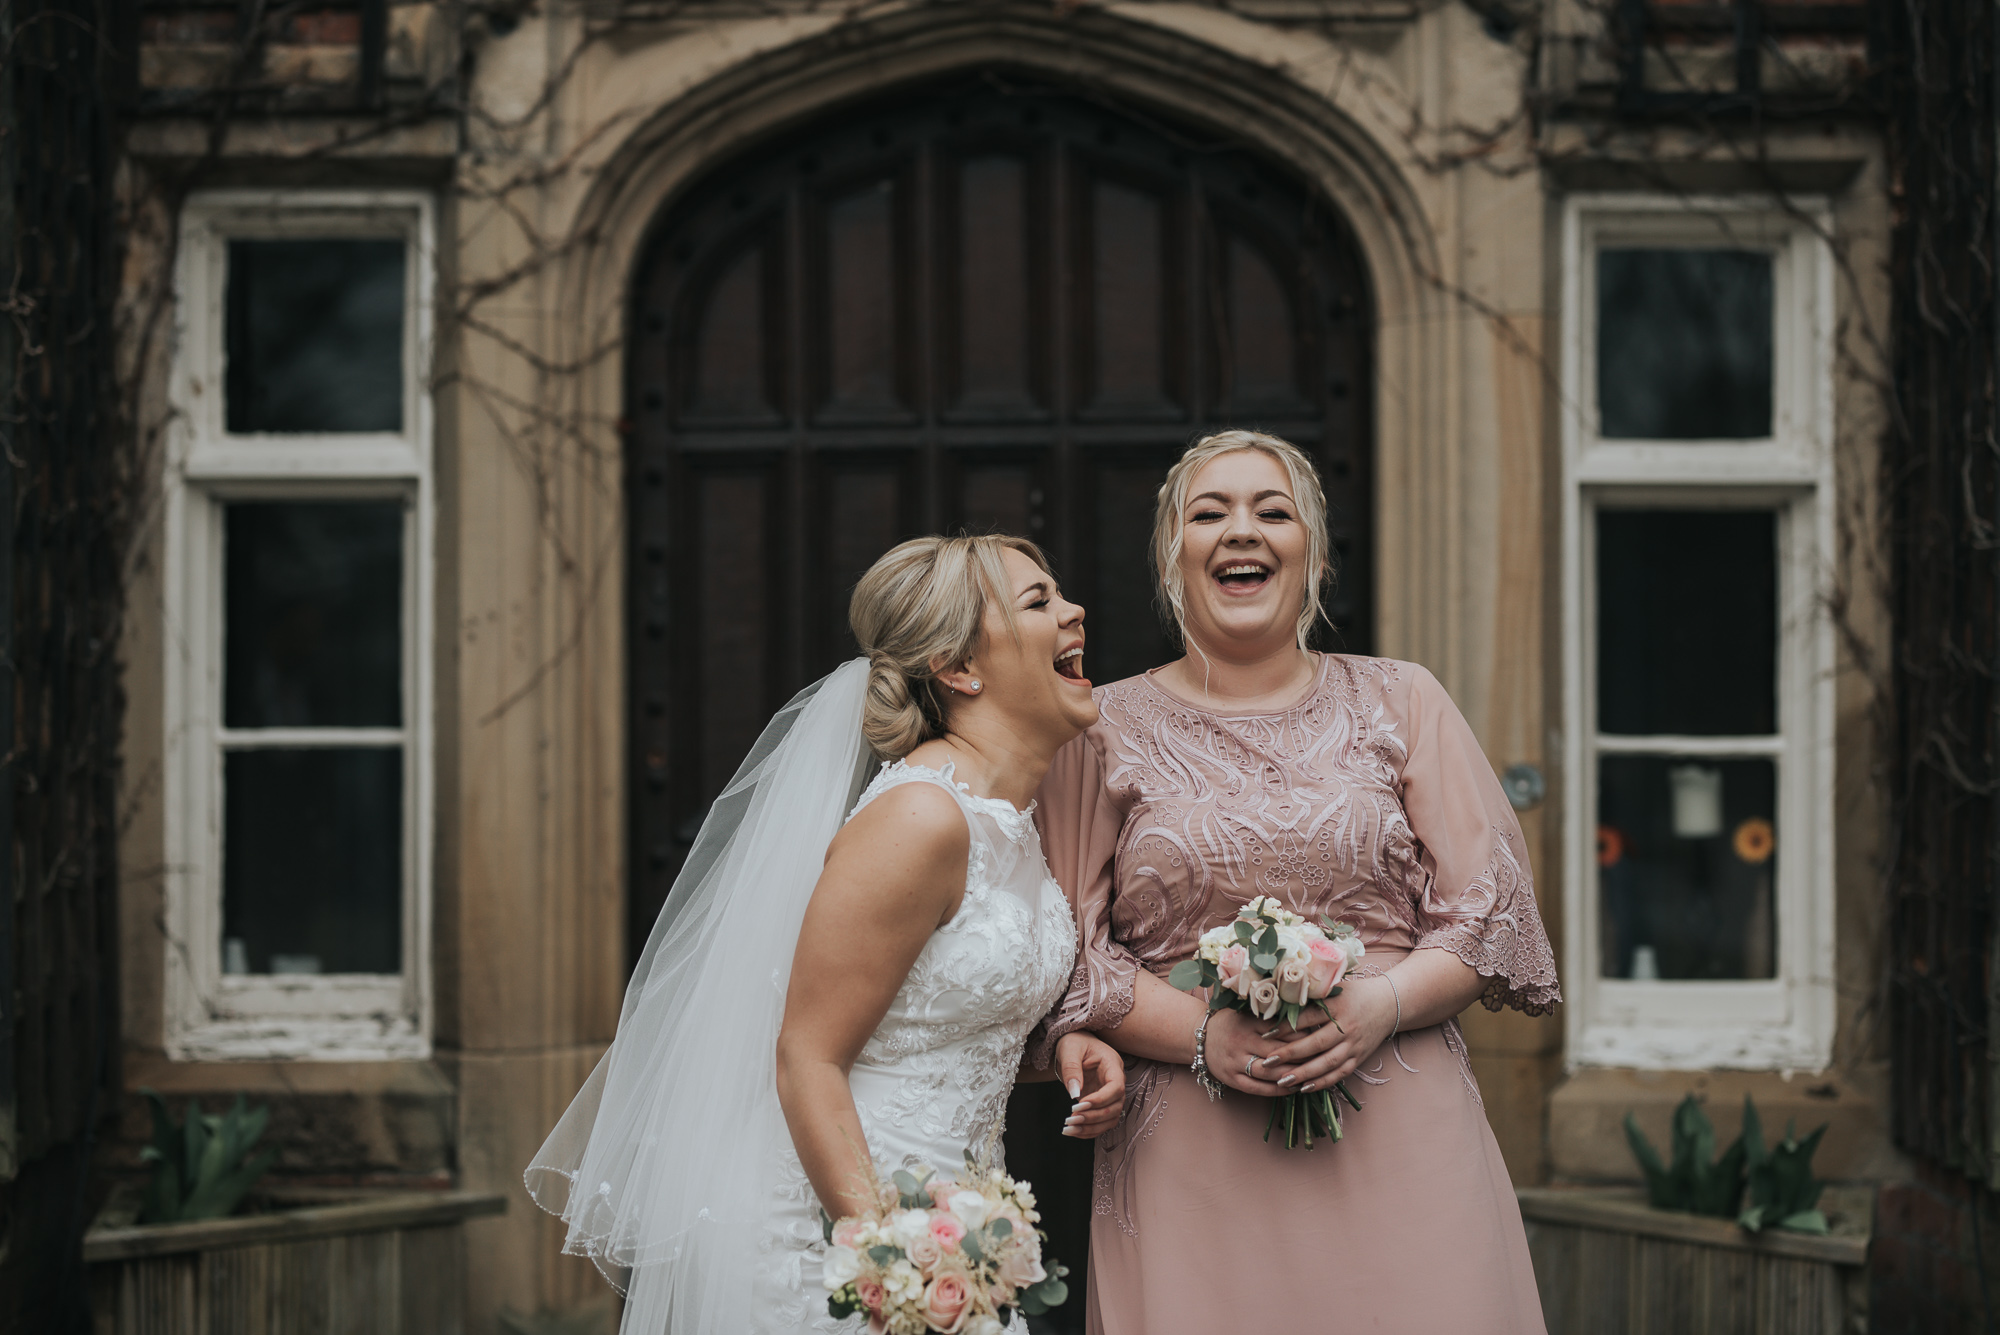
(914, 799)
(1393, 678)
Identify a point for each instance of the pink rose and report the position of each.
(947, 1230)
(1263, 998)
(923, 1251)
(1001, 1295)
(871, 1293)
(1328, 967)
(1234, 968)
(1291, 978)
(1021, 1267)
(941, 1190)
(945, 1303)
(847, 1233)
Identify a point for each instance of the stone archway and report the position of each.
(982, 302)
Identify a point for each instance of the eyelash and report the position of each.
(1202, 516)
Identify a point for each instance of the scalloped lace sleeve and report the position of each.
(1080, 825)
(1478, 896)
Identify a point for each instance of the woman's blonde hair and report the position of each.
(918, 612)
(1170, 522)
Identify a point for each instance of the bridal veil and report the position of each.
(665, 1157)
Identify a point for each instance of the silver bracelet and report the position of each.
(1199, 1065)
(1398, 1028)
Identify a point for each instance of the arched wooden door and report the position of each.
(984, 305)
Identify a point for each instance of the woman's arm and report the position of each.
(1161, 1026)
(893, 875)
(1093, 1073)
(1432, 985)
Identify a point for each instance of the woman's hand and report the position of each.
(1094, 1074)
(1241, 1048)
(1364, 1014)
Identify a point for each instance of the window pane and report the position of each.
(313, 614)
(312, 861)
(1686, 852)
(315, 335)
(1687, 622)
(1684, 344)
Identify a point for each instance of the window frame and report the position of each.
(210, 1015)
(1785, 1022)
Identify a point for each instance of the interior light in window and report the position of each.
(1684, 344)
(314, 335)
(1687, 856)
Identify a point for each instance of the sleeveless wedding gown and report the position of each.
(934, 1077)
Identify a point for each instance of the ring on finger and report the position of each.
(1251, 1062)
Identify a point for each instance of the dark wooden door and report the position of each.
(979, 305)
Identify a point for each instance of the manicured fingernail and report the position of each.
(1305, 1089)
(1286, 1079)
(1075, 1088)
(1068, 1131)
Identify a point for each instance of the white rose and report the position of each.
(903, 1281)
(842, 1264)
(906, 1226)
(984, 1325)
(970, 1207)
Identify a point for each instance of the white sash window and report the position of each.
(1697, 533)
(298, 540)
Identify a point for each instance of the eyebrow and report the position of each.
(1260, 496)
(1038, 584)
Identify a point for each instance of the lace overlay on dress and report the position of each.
(1368, 801)
(934, 1077)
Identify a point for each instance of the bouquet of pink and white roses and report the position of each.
(1272, 963)
(939, 1254)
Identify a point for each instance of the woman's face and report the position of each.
(1243, 555)
(1036, 678)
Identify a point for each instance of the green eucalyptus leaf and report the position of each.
(1264, 963)
(1185, 976)
(1245, 932)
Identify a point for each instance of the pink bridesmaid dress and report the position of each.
(1368, 801)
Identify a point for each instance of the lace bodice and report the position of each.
(933, 1078)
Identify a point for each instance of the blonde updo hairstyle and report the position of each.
(1169, 522)
(920, 611)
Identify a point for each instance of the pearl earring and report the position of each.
(975, 687)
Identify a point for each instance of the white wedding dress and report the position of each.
(934, 1077)
(673, 1168)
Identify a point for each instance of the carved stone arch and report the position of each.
(1140, 66)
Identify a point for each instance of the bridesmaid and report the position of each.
(1342, 785)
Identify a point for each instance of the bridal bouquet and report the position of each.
(941, 1254)
(1273, 963)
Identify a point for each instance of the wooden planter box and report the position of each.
(349, 1263)
(1607, 1261)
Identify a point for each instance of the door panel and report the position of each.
(967, 308)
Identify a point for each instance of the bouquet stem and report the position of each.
(1303, 1114)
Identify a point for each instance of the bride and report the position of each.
(828, 996)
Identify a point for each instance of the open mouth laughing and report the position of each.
(1069, 664)
(1242, 577)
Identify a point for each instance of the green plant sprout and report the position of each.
(1782, 1190)
(202, 1167)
